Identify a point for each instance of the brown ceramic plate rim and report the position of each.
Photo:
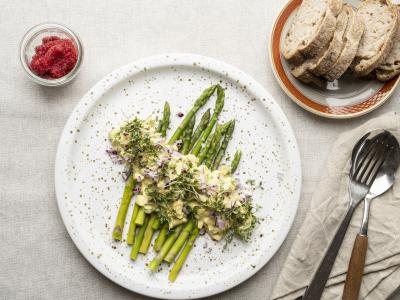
(334, 112)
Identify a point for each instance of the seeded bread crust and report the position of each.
(352, 37)
(304, 39)
(390, 67)
(380, 18)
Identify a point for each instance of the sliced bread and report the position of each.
(352, 37)
(311, 30)
(326, 59)
(380, 18)
(390, 67)
(305, 75)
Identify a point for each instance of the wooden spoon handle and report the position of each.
(356, 268)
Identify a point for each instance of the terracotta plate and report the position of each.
(344, 98)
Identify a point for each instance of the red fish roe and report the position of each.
(54, 58)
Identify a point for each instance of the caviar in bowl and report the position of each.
(51, 54)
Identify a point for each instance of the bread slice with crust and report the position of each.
(390, 67)
(352, 37)
(311, 30)
(380, 19)
(326, 59)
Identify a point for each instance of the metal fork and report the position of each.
(382, 183)
(363, 172)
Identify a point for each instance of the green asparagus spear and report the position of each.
(200, 128)
(177, 246)
(140, 217)
(180, 241)
(162, 236)
(189, 244)
(187, 136)
(165, 119)
(160, 124)
(156, 224)
(212, 144)
(211, 148)
(224, 145)
(123, 208)
(213, 151)
(139, 221)
(235, 161)
(219, 104)
(202, 155)
(120, 221)
(139, 239)
(204, 97)
(148, 234)
(132, 226)
(185, 149)
(182, 257)
(153, 265)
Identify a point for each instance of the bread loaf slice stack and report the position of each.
(390, 67)
(381, 21)
(327, 38)
(317, 66)
(337, 56)
(312, 29)
(352, 37)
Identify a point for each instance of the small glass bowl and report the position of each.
(33, 38)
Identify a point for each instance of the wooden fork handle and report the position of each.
(356, 268)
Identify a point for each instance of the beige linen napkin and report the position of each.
(328, 206)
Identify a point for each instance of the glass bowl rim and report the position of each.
(32, 33)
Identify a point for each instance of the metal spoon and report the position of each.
(383, 182)
(363, 147)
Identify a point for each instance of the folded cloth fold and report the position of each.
(328, 206)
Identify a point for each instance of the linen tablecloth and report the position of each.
(37, 258)
(328, 207)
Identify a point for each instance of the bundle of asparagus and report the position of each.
(209, 147)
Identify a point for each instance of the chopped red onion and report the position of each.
(202, 231)
(176, 154)
(115, 158)
(178, 143)
(111, 152)
(153, 175)
(159, 141)
(220, 223)
(180, 114)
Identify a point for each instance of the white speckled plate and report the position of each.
(89, 185)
